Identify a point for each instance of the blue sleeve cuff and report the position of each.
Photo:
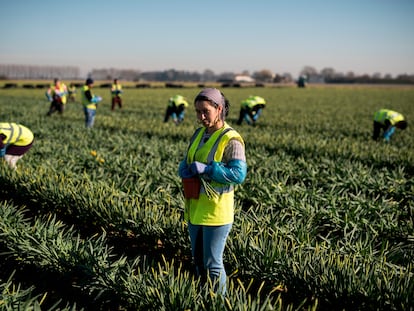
(234, 172)
(389, 132)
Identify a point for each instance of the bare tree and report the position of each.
(308, 71)
(350, 74)
(208, 75)
(377, 75)
(263, 75)
(328, 73)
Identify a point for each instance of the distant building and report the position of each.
(243, 78)
(315, 78)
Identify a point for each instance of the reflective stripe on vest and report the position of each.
(9, 127)
(19, 135)
(213, 156)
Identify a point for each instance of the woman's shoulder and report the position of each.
(231, 131)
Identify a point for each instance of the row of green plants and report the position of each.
(99, 278)
(324, 219)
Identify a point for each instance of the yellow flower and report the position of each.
(280, 288)
(93, 153)
(101, 160)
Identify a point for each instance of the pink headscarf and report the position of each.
(213, 94)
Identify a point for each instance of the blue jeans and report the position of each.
(207, 248)
(89, 116)
(180, 116)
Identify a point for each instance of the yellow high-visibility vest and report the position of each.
(62, 89)
(386, 114)
(114, 88)
(218, 210)
(85, 102)
(177, 100)
(16, 134)
(252, 101)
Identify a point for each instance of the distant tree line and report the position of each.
(326, 75)
(329, 75)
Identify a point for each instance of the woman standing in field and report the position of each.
(214, 164)
(89, 102)
(15, 141)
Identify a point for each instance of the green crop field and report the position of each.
(92, 219)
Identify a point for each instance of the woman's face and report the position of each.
(208, 115)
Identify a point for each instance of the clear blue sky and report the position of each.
(363, 36)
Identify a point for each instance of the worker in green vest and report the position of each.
(388, 121)
(176, 109)
(116, 93)
(89, 102)
(251, 109)
(15, 141)
(214, 163)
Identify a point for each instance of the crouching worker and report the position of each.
(176, 109)
(251, 109)
(15, 141)
(387, 120)
(215, 162)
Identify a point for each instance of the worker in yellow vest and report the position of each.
(388, 121)
(116, 91)
(15, 141)
(251, 109)
(56, 94)
(214, 164)
(89, 103)
(176, 109)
